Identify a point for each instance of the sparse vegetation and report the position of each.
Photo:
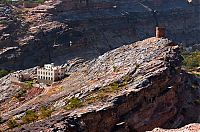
(40, 1)
(126, 80)
(32, 116)
(191, 63)
(115, 69)
(137, 66)
(1, 120)
(44, 112)
(12, 123)
(113, 86)
(105, 92)
(73, 103)
(191, 60)
(29, 84)
(3, 22)
(4, 72)
(29, 117)
(20, 94)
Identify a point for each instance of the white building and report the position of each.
(50, 73)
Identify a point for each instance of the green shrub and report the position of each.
(44, 113)
(74, 103)
(3, 22)
(114, 86)
(115, 69)
(40, 1)
(1, 120)
(137, 66)
(126, 80)
(12, 123)
(3, 72)
(191, 60)
(29, 84)
(29, 117)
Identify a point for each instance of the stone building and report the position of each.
(50, 73)
(20, 77)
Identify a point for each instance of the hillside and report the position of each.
(61, 30)
(135, 87)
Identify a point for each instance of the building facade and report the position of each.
(50, 73)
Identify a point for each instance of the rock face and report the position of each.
(187, 128)
(136, 87)
(62, 30)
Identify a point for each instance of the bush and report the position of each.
(40, 1)
(29, 84)
(44, 113)
(3, 22)
(1, 120)
(137, 66)
(115, 69)
(3, 72)
(74, 103)
(114, 86)
(29, 117)
(191, 60)
(126, 80)
(12, 123)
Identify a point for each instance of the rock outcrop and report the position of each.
(136, 87)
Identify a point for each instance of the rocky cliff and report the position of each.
(135, 87)
(61, 30)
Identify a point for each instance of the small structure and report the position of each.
(50, 73)
(160, 32)
(20, 77)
